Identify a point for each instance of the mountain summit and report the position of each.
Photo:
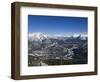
(38, 36)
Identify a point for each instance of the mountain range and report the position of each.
(38, 36)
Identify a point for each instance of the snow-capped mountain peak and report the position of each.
(82, 36)
(38, 36)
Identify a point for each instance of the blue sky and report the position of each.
(57, 24)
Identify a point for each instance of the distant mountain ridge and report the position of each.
(38, 36)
